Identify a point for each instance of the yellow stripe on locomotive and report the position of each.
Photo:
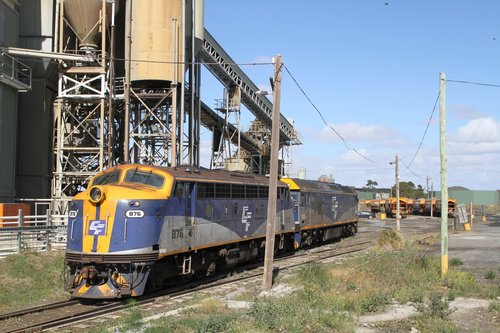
(105, 209)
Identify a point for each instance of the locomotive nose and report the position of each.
(96, 195)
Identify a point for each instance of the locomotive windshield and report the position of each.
(107, 178)
(144, 178)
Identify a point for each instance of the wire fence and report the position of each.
(32, 233)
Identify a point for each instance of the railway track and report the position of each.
(36, 309)
(252, 271)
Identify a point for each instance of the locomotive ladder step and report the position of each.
(186, 265)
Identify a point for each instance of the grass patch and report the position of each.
(456, 262)
(390, 238)
(30, 278)
(490, 275)
(133, 318)
(420, 322)
(495, 305)
(425, 323)
(328, 297)
(436, 306)
(226, 322)
(296, 314)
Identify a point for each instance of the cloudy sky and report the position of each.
(372, 69)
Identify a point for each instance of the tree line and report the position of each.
(406, 189)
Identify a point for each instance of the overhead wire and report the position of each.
(475, 83)
(431, 116)
(408, 168)
(91, 59)
(349, 147)
(425, 132)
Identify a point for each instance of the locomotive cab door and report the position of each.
(296, 218)
(188, 199)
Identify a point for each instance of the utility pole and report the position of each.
(398, 215)
(273, 177)
(432, 198)
(427, 186)
(444, 181)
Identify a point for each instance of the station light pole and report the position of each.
(273, 177)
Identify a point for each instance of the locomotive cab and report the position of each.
(112, 242)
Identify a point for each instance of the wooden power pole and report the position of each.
(273, 177)
(444, 181)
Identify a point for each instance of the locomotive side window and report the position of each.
(223, 190)
(252, 192)
(238, 191)
(263, 192)
(107, 178)
(206, 190)
(144, 178)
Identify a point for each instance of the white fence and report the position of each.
(32, 232)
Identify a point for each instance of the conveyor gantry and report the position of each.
(211, 119)
(224, 68)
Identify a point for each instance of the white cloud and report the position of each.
(479, 136)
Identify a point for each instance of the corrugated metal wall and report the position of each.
(476, 197)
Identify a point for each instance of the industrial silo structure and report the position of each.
(81, 108)
(161, 40)
(130, 90)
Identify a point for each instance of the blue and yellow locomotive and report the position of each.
(140, 227)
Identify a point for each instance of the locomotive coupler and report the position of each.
(89, 272)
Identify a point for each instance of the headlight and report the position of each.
(96, 195)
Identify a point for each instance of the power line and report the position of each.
(92, 59)
(323, 118)
(425, 132)
(195, 63)
(408, 168)
(350, 170)
(475, 83)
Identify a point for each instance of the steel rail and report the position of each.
(40, 308)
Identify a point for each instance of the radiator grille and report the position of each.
(111, 258)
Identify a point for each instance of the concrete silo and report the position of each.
(160, 43)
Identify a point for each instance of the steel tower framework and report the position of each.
(80, 111)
